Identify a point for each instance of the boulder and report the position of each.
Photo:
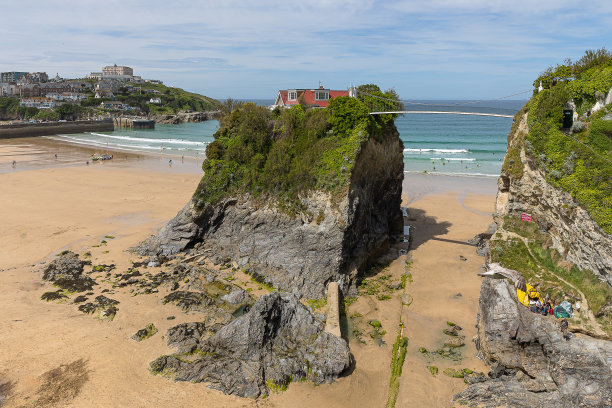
(532, 364)
(66, 272)
(143, 334)
(236, 296)
(67, 265)
(276, 342)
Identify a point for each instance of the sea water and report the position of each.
(186, 139)
(433, 143)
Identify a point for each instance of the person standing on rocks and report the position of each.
(564, 329)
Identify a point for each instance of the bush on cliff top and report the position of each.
(579, 163)
(286, 152)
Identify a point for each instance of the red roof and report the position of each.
(309, 97)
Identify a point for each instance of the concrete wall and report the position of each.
(54, 128)
(134, 123)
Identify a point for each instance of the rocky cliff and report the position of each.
(277, 342)
(561, 175)
(332, 235)
(523, 188)
(185, 117)
(533, 365)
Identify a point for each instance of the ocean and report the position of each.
(433, 143)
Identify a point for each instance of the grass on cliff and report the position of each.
(578, 161)
(282, 154)
(542, 267)
(173, 100)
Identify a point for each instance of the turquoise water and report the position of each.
(434, 143)
(453, 144)
(187, 139)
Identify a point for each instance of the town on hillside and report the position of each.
(115, 90)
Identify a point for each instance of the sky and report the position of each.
(435, 49)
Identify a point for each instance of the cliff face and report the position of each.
(332, 239)
(185, 117)
(523, 188)
(533, 365)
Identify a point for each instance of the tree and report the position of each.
(68, 111)
(47, 114)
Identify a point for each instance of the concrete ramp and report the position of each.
(332, 324)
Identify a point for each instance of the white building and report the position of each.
(38, 102)
(112, 70)
(8, 89)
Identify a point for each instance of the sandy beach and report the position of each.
(52, 204)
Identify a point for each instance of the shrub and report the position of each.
(282, 154)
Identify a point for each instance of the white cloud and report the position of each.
(230, 48)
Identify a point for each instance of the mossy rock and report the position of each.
(433, 370)
(54, 295)
(454, 373)
(375, 323)
(455, 342)
(145, 333)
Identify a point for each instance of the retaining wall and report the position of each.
(54, 128)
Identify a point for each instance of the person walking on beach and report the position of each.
(170, 162)
(14, 164)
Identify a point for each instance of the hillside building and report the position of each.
(115, 70)
(318, 97)
(12, 76)
(38, 102)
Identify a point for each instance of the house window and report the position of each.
(292, 95)
(321, 95)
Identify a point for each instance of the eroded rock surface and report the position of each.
(332, 239)
(66, 272)
(66, 265)
(574, 234)
(102, 308)
(278, 341)
(533, 365)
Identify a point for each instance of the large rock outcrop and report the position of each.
(185, 117)
(573, 232)
(332, 239)
(276, 342)
(534, 365)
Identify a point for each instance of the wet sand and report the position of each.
(48, 207)
(35, 153)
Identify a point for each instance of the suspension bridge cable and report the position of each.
(447, 104)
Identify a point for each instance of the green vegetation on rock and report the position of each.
(173, 100)
(145, 333)
(544, 267)
(397, 362)
(279, 155)
(578, 161)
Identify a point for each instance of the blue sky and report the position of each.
(436, 49)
